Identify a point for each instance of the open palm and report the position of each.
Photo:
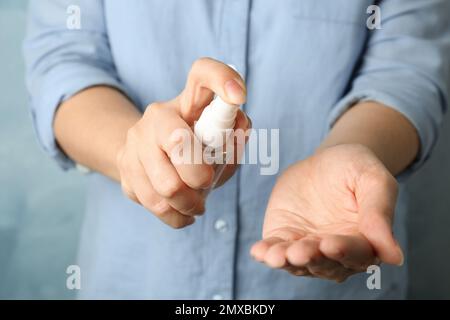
(330, 216)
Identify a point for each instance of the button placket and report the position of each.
(224, 219)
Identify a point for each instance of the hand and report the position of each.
(330, 216)
(169, 189)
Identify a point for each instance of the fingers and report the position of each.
(275, 256)
(148, 178)
(176, 139)
(377, 194)
(169, 185)
(331, 257)
(159, 172)
(304, 251)
(353, 252)
(324, 268)
(129, 193)
(175, 219)
(159, 206)
(259, 249)
(379, 232)
(208, 76)
(126, 189)
(298, 271)
(305, 254)
(177, 180)
(137, 187)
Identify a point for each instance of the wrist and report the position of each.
(383, 130)
(350, 145)
(356, 153)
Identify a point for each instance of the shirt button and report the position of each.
(221, 225)
(82, 169)
(217, 297)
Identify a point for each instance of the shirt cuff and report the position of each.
(55, 88)
(414, 111)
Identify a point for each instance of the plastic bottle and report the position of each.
(214, 129)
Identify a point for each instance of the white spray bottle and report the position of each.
(215, 130)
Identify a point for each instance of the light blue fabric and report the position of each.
(305, 62)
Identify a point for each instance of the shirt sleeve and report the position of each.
(406, 66)
(61, 61)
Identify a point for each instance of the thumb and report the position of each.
(376, 194)
(206, 78)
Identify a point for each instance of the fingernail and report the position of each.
(249, 122)
(234, 91)
(191, 221)
(400, 251)
(402, 258)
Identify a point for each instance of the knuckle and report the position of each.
(147, 197)
(129, 193)
(161, 208)
(125, 190)
(171, 188)
(200, 62)
(179, 224)
(144, 202)
(155, 107)
(197, 208)
(203, 180)
(153, 111)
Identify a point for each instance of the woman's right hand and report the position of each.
(149, 176)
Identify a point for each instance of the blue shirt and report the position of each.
(305, 62)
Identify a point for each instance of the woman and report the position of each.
(355, 108)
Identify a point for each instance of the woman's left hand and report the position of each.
(330, 216)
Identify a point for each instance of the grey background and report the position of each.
(41, 207)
